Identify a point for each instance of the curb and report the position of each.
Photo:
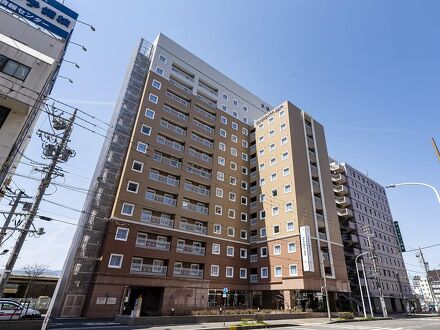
(361, 320)
(239, 327)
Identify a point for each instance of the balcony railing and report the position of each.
(207, 101)
(203, 141)
(198, 190)
(310, 143)
(253, 258)
(203, 126)
(253, 189)
(345, 212)
(148, 270)
(166, 160)
(339, 178)
(253, 161)
(322, 236)
(199, 172)
(253, 278)
(343, 201)
(190, 249)
(147, 243)
(337, 168)
(253, 205)
(188, 273)
(193, 228)
(207, 88)
(175, 113)
(312, 157)
(178, 99)
(314, 171)
(164, 179)
(253, 148)
(200, 155)
(195, 208)
(182, 74)
(161, 199)
(340, 190)
(157, 221)
(171, 127)
(253, 239)
(181, 86)
(174, 145)
(318, 203)
(316, 187)
(253, 221)
(204, 113)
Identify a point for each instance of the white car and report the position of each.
(13, 310)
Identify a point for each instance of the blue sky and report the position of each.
(367, 70)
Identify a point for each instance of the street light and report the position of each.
(416, 184)
(360, 285)
(70, 80)
(87, 24)
(75, 64)
(74, 43)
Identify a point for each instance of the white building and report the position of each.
(421, 289)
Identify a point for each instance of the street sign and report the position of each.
(225, 292)
(399, 236)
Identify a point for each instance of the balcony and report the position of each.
(340, 190)
(321, 221)
(253, 161)
(204, 113)
(164, 179)
(322, 236)
(196, 189)
(337, 168)
(148, 270)
(310, 143)
(181, 86)
(194, 207)
(147, 243)
(202, 141)
(200, 155)
(175, 113)
(174, 128)
(339, 179)
(178, 99)
(253, 148)
(188, 273)
(318, 203)
(192, 228)
(253, 175)
(182, 73)
(253, 205)
(157, 221)
(253, 221)
(312, 157)
(253, 258)
(208, 88)
(253, 278)
(253, 239)
(172, 144)
(202, 173)
(206, 100)
(345, 213)
(309, 131)
(253, 189)
(204, 127)
(343, 201)
(316, 187)
(161, 199)
(190, 249)
(314, 171)
(167, 160)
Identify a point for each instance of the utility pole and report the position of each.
(10, 216)
(366, 288)
(428, 278)
(57, 151)
(329, 314)
(367, 231)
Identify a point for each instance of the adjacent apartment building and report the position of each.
(203, 186)
(33, 39)
(362, 203)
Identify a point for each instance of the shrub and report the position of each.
(259, 317)
(346, 315)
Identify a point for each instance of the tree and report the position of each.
(32, 273)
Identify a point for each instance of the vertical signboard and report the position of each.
(306, 249)
(399, 236)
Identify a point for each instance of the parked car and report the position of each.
(13, 310)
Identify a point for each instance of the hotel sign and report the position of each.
(306, 249)
(49, 14)
(399, 236)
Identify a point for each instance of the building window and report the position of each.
(215, 248)
(244, 131)
(233, 166)
(244, 143)
(293, 270)
(289, 207)
(137, 166)
(219, 192)
(162, 58)
(262, 232)
(290, 226)
(142, 147)
(281, 113)
(224, 108)
(291, 247)
(229, 271)
(243, 273)
(230, 251)
(225, 97)
(263, 251)
(156, 84)
(234, 152)
(277, 250)
(282, 127)
(243, 253)
(222, 132)
(278, 271)
(231, 213)
(273, 161)
(272, 147)
(234, 126)
(159, 71)
(275, 210)
(262, 182)
(262, 215)
(217, 229)
(274, 192)
(132, 187)
(127, 209)
(286, 171)
(261, 166)
(287, 188)
(276, 229)
(220, 176)
(232, 196)
(231, 231)
(232, 180)
(243, 234)
(149, 113)
(215, 270)
(244, 156)
(273, 177)
(218, 210)
(283, 141)
(121, 234)
(146, 129)
(243, 200)
(222, 146)
(234, 138)
(115, 260)
(224, 120)
(235, 102)
(264, 272)
(272, 133)
(284, 155)
(153, 98)
(221, 161)
(13, 68)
